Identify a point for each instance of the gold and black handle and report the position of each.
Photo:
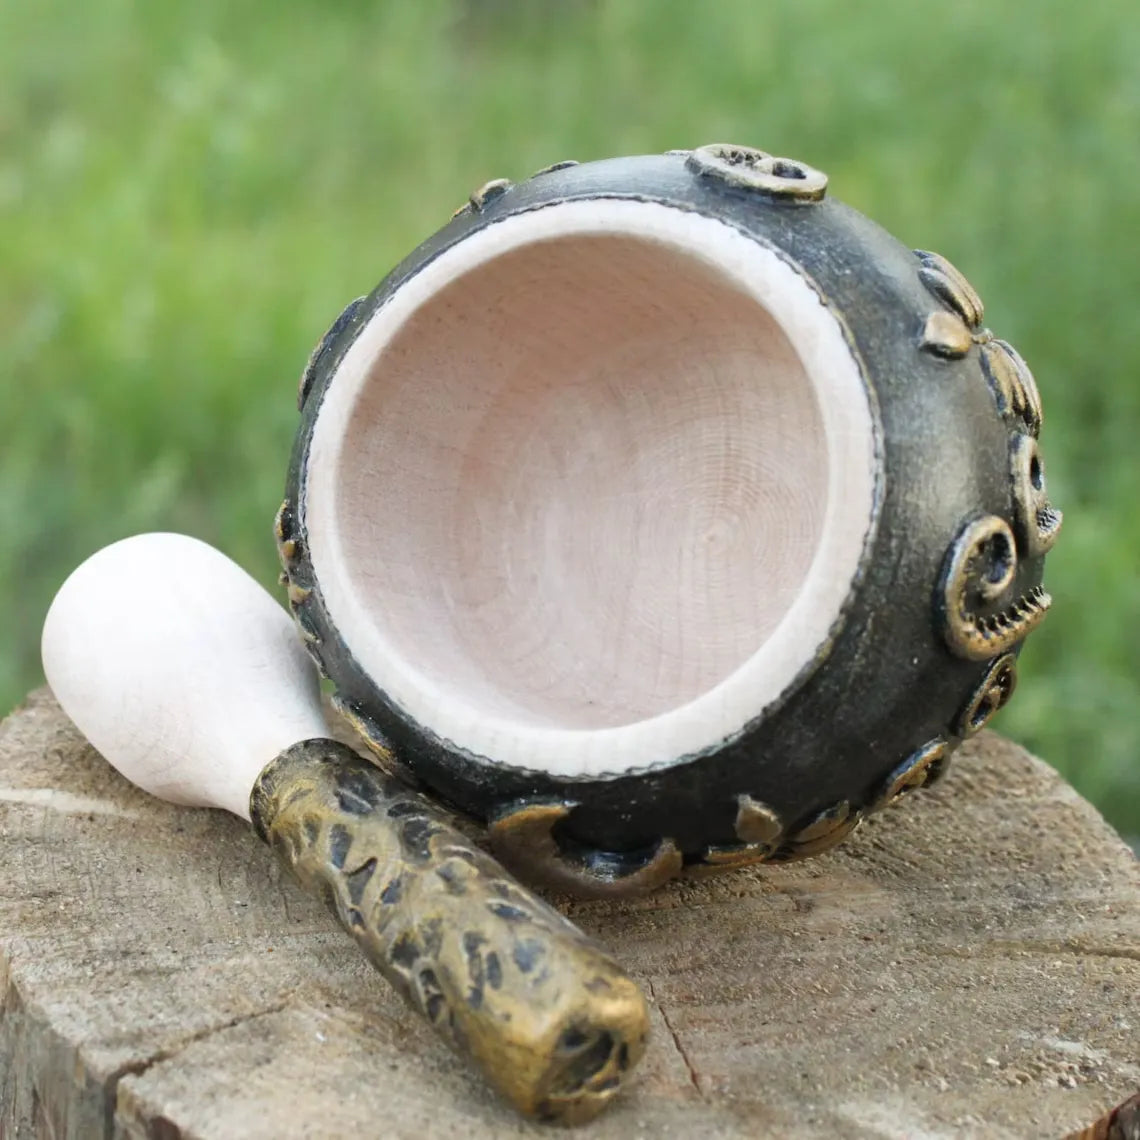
(547, 1015)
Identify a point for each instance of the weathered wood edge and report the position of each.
(65, 1085)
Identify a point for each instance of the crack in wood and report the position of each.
(694, 1080)
(142, 1065)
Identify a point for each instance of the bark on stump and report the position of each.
(968, 964)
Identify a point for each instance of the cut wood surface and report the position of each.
(968, 964)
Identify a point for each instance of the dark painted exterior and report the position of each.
(888, 684)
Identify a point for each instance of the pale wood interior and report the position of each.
(582, 483)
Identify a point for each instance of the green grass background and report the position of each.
(189, 192)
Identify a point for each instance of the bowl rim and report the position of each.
(800, 641)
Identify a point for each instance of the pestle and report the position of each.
(188, 678)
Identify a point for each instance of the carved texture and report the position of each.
(522, 835)
(1036, 521)
(990, 697)
(952, 331)
(980, 569)
(504, 978)
(750, 169)
(1012, 384)
(486, 194)
(980, 620)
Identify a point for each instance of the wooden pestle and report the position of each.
(187, 676)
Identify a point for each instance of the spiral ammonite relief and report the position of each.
(982, 613)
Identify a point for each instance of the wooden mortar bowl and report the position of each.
(664, 512)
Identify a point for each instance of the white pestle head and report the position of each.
(180, 669)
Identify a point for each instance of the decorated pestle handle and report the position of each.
(188, 677)
(545, 1013)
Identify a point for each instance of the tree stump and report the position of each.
(968, 964)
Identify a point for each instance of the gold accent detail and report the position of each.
(950, 332)
(288, 548)
(298, 595)
(990, 696)
(363, 729)
(757, 822)
(547, 1015)
(730, 856)
(1036, 520)
(1013, 385)
(948, 283)
(823, 824)
(279, 530)
(758, 828)
(489, 191)
(917, 770)
(522, 835)
(945, 334)
(565, 164)
(980, 568)
(988, 541)
(829, 827)
(753, 169)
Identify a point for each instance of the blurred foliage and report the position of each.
(189, 192)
